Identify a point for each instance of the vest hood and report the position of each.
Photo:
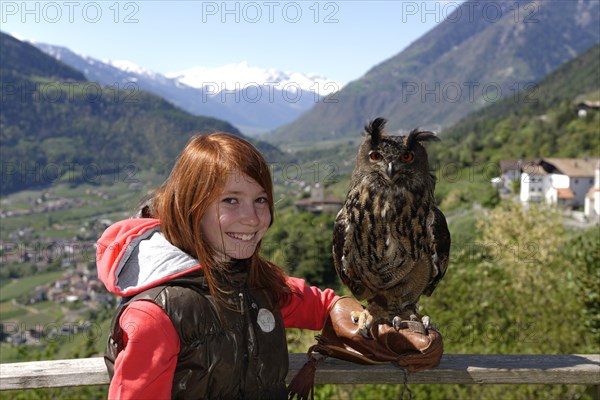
(133, 255)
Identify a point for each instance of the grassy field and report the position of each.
(17, 287)
(8, 311)
(112, 200)
(79, 345)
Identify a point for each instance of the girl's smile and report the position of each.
(235, 223)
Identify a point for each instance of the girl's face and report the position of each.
(239, 218)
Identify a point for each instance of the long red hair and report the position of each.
(196, 181)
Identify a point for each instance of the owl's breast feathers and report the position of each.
(386, 236)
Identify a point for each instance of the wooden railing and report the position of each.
(581, 369)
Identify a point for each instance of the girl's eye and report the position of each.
(375, 156)
(407, 156)
(230, 200)
(262, 200)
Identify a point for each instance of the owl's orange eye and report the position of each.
(375, 156)
(407, 156)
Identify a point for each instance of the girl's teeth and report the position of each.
(242, 237)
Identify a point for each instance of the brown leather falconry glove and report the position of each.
(340, 338)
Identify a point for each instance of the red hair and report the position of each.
(196, 181)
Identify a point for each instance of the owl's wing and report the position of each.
(440, 249)
(344, 271)
(339, 238)
(338, 242)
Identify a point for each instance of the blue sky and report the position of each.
(340, 40)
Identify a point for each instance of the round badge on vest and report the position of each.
(266, 320)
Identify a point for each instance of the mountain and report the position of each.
(253, 99)
(235, 76)
(55, 124)
(483, 51)
(541, 122)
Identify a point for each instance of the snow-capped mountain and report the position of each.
(237, 76)
(252, 98)
(114, 72)
(128, 66)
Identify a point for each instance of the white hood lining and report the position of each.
(149, 258)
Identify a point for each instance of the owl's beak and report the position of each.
(390, 170)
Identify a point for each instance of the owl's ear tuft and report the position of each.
(420, 136)
(375, 129)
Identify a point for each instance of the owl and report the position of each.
(390, 242)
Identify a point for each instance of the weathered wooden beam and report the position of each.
(454, 368)
(470, 369)
(55, 373)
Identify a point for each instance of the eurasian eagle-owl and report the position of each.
(390, 242)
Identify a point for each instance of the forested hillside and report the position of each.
(57, 125)
(542, 121)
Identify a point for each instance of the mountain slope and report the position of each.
(16, 57)
(249, 97)
(468, 61)
(541, 122)
(56, 124)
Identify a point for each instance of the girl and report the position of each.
(204, 314)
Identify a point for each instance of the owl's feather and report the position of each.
(390, 242)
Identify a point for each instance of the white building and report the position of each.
(592, 199)
(510, 171)
(535, 181)
(561, 181)
(585, 107)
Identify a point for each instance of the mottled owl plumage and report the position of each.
(391, 243)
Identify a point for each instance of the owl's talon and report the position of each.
(412, 325)
(416, 326)
(364, 320)
(397, 322)
(425, 321)
(366, 333)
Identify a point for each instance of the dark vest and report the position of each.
(224, 353)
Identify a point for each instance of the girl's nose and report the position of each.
(250, 215)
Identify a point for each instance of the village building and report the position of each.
(535, 181)
(592, 199)
(571, 183)
(318, 203)
(587, 106)
(511, 170)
